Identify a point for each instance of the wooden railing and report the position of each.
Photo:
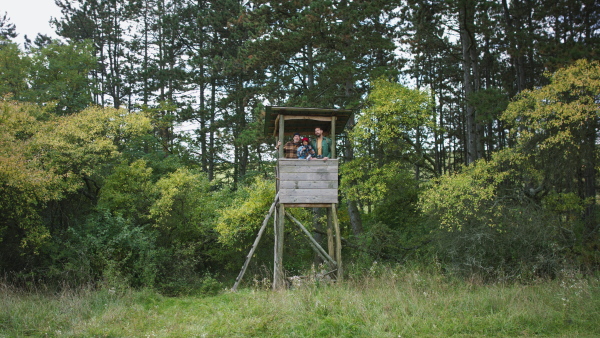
(308, 183)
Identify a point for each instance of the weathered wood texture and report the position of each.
(260, 233)
(338, 241)
(315, 245)
(304, 120)
(278, 277)
(308, 182)
(307, 205)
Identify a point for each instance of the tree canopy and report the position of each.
(131, 150)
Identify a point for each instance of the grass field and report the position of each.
(383, 302)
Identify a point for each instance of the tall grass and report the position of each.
(381, 302)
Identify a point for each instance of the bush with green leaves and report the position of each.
(244, 216)
(491, 224)
(110, 250)
(556, 128)
(128, 191)
(51, 169)
(532, 207)
(393, 229)
(238, 225)
(183, 213)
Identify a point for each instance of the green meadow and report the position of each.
(383, 302)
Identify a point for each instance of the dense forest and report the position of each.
(132, 150)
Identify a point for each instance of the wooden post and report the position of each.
(278, 282)
(324, 254)
(279, 224)
(332, 137)
(338, 241)
(275, 260)
(330, 239)
(260, 233)
(320, 253)
(281, 135)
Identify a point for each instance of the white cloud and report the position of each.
(30, 17)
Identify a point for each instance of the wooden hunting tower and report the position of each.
(304, 183)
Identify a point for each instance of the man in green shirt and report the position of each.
(321, 145)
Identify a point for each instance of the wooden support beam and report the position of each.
(290, 184)
(320, 176)
(315, 249)
(313, 118)
(276, 125)
(256, 241)
(324, 254)
(281, 135)
(278, 280)
(338, 241)
(332, 136)
(307, 205)
(330, 239)
(276, 216)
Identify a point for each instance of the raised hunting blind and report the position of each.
(304, 183)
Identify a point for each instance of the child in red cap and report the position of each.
(305, 151)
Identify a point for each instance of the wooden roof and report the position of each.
(304, 120)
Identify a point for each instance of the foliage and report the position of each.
(395, 116)
(336, 46)
(25, 183)
(60, 73)
(521, 208)
(183, 209)
(390, 135)
(244, 216)
(112, 251)
(184, 213)
(240, 220)
(470, 197)
(368, 183)
(7, 29)
(184, 173)
(217, 61)
(394, 112)
(56, 75)
(13, 70)
(128, 191)
(492, 226)
(490, 104)
(393, 227)
(47, 158)
(78, 146)
(556, 126)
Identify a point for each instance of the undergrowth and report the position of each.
(381, 301)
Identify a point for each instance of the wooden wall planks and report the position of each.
(308, 182)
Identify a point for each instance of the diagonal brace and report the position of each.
(314, 243)
(260, 233)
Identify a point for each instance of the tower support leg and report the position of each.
(278, 279)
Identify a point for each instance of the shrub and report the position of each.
(111, 250)
(490, 224)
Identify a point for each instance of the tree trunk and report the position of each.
(353, 210)
(467, 41)
(211, 135)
